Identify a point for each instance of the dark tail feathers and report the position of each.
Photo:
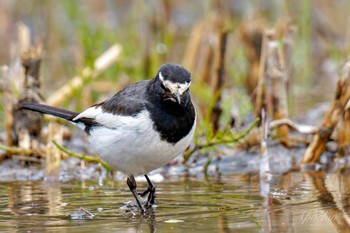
(45, 109)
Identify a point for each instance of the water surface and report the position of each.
(295, 202)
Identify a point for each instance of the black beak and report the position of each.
(177, 97)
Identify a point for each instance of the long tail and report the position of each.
(45, 109)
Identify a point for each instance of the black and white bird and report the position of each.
(139, 129)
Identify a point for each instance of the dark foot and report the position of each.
(152, 192)
(143, 194)
(132, 186)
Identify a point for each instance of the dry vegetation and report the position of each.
(268, 59)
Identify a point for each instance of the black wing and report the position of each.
(128, 101)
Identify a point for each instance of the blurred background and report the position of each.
(220, 42)
(74, 34)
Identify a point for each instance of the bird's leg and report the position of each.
(150, 186)
(152, 192)
(132, 186)
(143, 194)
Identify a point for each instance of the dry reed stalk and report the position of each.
(343, 133)
(256, 40)
(205, 58)
(53, 154)
(9, 99)
(272, 85)
(260, 101)
(288, 46)
(251, 34)
(205, 64)
(276, 74)
(28, 124)
(192, 48)
(219, 78)
(332, 117)
(101, 64)
(24, 41)
(8, 103)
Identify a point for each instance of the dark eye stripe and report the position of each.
(163, 87)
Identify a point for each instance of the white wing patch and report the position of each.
(108, 120)
(91, 112)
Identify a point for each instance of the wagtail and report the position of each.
(139, 129)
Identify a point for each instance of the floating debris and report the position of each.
(174, 221)
(82, 213)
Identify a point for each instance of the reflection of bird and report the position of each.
(141, 128)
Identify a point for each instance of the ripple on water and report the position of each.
(231, 202)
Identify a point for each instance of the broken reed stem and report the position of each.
(219, 78)
(20, 151)
(28, 152)
(215, 142)
(277, 92)
(261, 87)
(101, 64)
(8, 100)
(82, 156)
(193, 46)
(333, 116)
(53, 155)
(272, 85)
(251, 35)
(343, 129)
(288, 45)
(27, 124)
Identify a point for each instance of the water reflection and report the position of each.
(331, 210)
(293, 202)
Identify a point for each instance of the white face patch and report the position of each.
(174, 87)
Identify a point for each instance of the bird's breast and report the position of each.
(173, 124)
(134, 146)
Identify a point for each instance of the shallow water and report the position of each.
(295, 202)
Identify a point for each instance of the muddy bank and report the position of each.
(281, 160)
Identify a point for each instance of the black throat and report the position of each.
(173, 121)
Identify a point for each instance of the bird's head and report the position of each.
(174, 83)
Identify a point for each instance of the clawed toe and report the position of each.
(151, 196)
(150, 191)
(143, 194)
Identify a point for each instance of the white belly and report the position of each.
(133, 147)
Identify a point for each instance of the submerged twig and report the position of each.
(82, 156)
